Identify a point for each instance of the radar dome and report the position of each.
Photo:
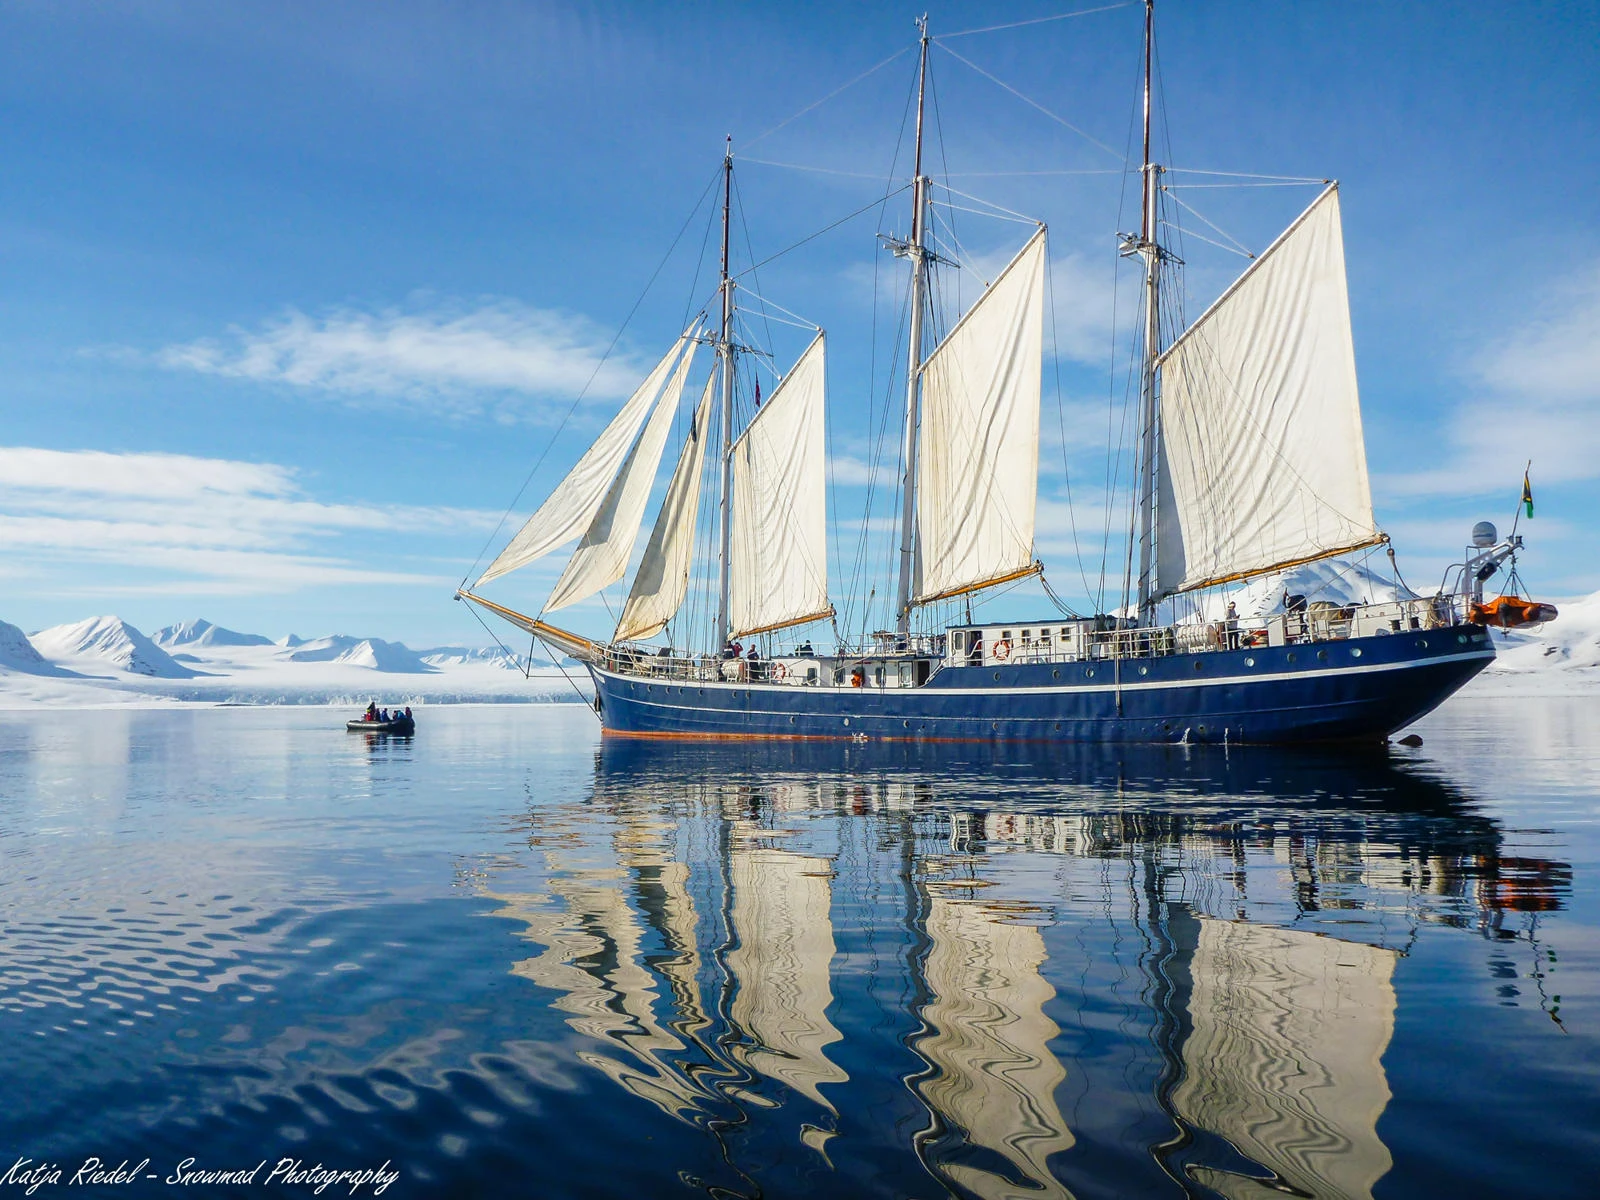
(1485, 534)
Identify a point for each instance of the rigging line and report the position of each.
(998, 208)
(998, 216)
(826, 229)
(1189, 187)
(593, 375)
(1082, 12)
(789, 166)
(1020, 174)
(1200, 237)
(1211, 225)
(818, 103)
(1243, 175)
(1061, 421)
(799, 321)
(1032, 103)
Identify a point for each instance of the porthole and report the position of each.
(1250, 662)
(1289, 657)
(997, 674)
(847, 720)
(1058, 726)
(1422, 643)
(1144, 670)
(1322, 656)
(1198, 665)
(906, 724)
(1055, 674)
(1462, 638)
(994, 724)
(1089, 674)
(1355, 651)
(791, 720)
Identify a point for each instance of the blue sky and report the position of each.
(292, 296)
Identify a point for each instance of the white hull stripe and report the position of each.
(1127, 685)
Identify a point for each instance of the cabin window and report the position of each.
(960, 641)
(877, 676)
(1027, 634)
(1005, 633)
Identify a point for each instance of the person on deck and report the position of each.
(1231, 625)
(804, 648)
(372, 711)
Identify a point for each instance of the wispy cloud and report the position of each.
(444, 355)
(197, 525)
(1534, 393)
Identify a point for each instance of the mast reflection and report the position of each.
(691, 921)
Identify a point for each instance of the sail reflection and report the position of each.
(786, 954)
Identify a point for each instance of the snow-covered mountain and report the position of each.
(374, 653)
(17, 653)
(200, 632)
(107, 642)
(452, 656)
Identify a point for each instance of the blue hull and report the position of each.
(1359, 689)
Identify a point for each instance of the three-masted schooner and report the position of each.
(1251, 461)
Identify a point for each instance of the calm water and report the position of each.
(506, 959)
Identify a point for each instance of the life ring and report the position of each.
(1001, 650)
(779, 671)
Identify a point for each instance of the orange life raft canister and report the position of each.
(1510, 612)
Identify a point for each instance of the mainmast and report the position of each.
(725, 355)
(916, 251)
(1150, 250)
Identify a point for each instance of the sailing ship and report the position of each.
(1250, 461)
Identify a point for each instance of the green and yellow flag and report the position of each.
(1527, 493)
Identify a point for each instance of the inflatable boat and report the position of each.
(404, 726)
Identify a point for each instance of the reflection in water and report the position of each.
(1284, 1057)
(994, 1075)
(1256, 906)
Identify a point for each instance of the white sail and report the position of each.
(978, 443)
(572, 506)
(602, 557)
(1285, 1059)
(663, 577)
(1262, 461)
(779, 570)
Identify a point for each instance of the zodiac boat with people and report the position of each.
(1250, 462)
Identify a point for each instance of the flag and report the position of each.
(1527, 494)
(758, 393)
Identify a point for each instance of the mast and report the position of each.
(725, 354)
(914, 249)
(1148, 248)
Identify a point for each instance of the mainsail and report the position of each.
(571, 508)
(779, 562)
(663, 577)
(1262, 461)
(602, 557)
(978, 445)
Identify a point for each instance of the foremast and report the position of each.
(916, 250)
(725, 358)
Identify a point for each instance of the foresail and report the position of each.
(602, 557)
(978, 442)
(663, 578)
(569, 509)
(1262, 461)
(779, 563)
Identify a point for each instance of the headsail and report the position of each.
(1262, 461)
(572, 506)
(780, 523)
(602, 557)
(663, 578)
(978, 445)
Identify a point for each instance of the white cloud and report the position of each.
(1534, 393)
(432, 356)
(199, 525)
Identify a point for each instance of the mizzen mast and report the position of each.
(725, 355)
(916, 250)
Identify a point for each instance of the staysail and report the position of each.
(602, 557)
(779, 573)
(569, 509)
(663, 577)
(978, 443)
(1262, 463)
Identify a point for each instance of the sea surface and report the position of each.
(507, 958)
